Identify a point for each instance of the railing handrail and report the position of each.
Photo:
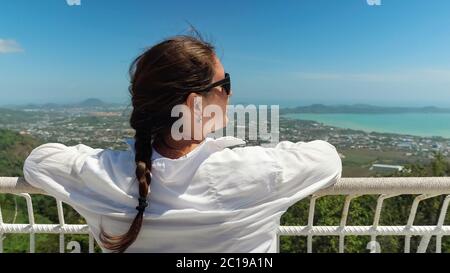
(388, 185)
(345, 186)
(17, 185)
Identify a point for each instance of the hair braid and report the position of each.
(143, 148)
(161, 78)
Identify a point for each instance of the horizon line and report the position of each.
(240, 102)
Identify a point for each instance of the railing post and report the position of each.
(377, 216)
(62, 223)
(312, 208)
(440, 223)
(412, 216)
(1, 233)
(91, 242)
(344, 217)
(30, 220)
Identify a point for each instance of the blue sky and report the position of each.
(278, 52)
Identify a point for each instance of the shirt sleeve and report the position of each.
(279, 176)
(55, 168)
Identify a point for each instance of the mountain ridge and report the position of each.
(361, 109)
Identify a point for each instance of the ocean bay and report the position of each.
(418, 124)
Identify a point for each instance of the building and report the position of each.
(386, 168)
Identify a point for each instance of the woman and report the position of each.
(166, 194)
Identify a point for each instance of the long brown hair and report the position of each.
(161, 77)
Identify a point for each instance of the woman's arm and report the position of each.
(252, 176)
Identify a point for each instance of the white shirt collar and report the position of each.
(168, 170)
(223, 142)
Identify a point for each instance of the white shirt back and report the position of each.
(214, 199)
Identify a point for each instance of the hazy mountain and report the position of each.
(362, 109)
(92, 102)
(88, 103)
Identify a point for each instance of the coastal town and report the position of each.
(107, 126)
(300, 130)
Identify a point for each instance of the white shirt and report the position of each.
(214, 199)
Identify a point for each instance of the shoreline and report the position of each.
(358, 127)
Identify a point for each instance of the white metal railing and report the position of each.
(20, 187)
(384, 188)
(423, 187)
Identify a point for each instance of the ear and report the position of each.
(192, 101)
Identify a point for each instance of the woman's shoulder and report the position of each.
(285, 159)
(247, 176)
(59, 155)
(55, 149)
(75, 160)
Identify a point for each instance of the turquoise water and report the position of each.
(419, 124)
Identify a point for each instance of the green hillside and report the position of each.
(362, 210)
(14, 148)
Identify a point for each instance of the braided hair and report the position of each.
(161, 78)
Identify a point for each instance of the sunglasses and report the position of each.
(225, 83)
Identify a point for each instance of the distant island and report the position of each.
(87, 103)
(361, 109)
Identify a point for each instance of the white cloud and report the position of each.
(9, 46)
